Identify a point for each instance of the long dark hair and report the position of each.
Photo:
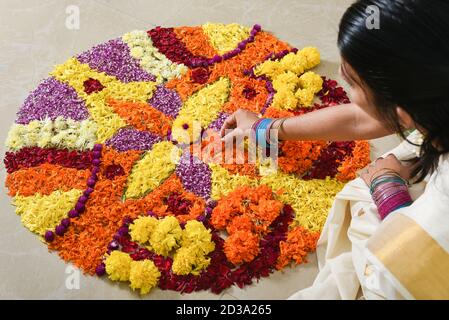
(404, 62)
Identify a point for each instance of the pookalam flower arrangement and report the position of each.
(108, 161)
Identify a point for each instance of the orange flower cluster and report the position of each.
(299, 242)
(196, 41)
(254, 53)
(45, 179)
(276, 113)
(359, 159)
(237, 98)
(102, 217)
(241, 247)
(156, 200)
(142, 116)
(298, 156)
(211, 150)
(246, 214)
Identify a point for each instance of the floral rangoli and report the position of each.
(106, 165)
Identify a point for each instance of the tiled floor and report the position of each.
(34, 38)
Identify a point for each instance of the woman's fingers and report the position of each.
(229, 123)
(230, 136)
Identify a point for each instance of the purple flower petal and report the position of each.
(218, 123)
(167, 101)
(132, 139)
(195, 175)
(113, 58)
(52, 99)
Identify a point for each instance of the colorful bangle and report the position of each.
(389, 193)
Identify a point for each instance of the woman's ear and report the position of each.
(405, 118)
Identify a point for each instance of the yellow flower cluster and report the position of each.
(75, 74)
(142, 228)
(223, 182)
(200, 110)
(150, 171)
(311, 199)
(195, 246)
(293, 87)
(223, 37)
(150, 59)
(165, 236)
(118, 266)
(60, 133)
(143, 275)
(40, 213)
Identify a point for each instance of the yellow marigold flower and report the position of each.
(269, 68)
(311, 55)
(305, 97)
(189, 260)
(166, 236)
(285, 100)
(144, 275)
(118, 266)
(285, 81)
(196, 233)
(311, 81)
(142, 228)
(293, 63)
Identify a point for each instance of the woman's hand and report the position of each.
(383, 165)
(241, 121)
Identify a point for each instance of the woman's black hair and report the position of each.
(404, 62)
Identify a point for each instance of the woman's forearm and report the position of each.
(345, 122)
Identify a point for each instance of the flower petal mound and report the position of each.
(116, 163)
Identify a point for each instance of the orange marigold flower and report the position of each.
(299, 242)
(241, 246)
(359, 159)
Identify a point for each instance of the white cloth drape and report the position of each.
(347, 269)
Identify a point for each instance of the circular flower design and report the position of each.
(115, 161)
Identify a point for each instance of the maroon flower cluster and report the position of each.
(92, 86)
(177, 204)
(34, 156)
(200, 75)
(249, 93)
(174, 49)
(330, 159)
(331, 94)
(113, 170)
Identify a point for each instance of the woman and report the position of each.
(384, 238)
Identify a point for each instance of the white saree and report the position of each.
(406, 256)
